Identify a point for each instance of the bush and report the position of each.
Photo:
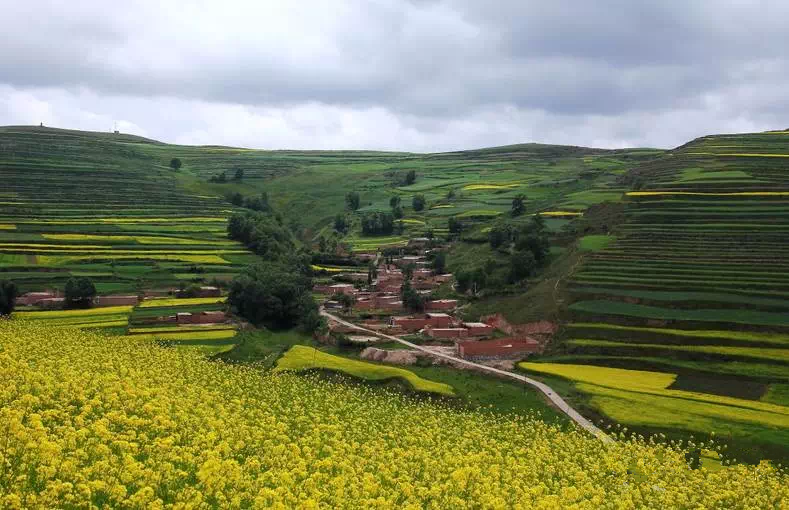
(8, 294)
(418, 202)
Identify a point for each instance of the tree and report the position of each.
(352, 200)
(518, 205)
(275, 295)
(498, 235)
(439, 263)
(418, 202)
(522, 265)
(220, 178)
(397, 212)
(346, 300)
(455, 225)
(412, 300)
(79, 292)
(410, 177)
(473, 280)
(340, 224)
(394, 201)
(175, 164)
(451, 193)
(237, 199)
(239, 174)
(408, 272)
(8, 294)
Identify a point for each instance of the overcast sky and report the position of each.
(417, 75)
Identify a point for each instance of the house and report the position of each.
(446, 332)
(204, 291)
(440, 320)
(442, 304)
(117, 300)
(200, 318)
(418, 242)
(442, 278)
(432, 320)
(365, 257)
(342, 288)
(410, 324)
(354, 277)
(32, 298)
(502, 348)
(51, 303)
(479, 328)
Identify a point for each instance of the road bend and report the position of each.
(546, 390)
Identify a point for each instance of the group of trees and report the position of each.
(378, 223)
(8, 293)
(263, 233)
(530, 250)
(397, 210)
(277, 291)
(221, 177)
(409, 178)
(258, 203)
(79, 292)
(275, 294)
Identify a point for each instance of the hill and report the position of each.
(692, 283)
(109, 206)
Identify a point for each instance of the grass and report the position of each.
(777, 393)
(736, 316)
(595, 242)
(186, 336)
(746, 336)
(301, 357)
(780, 355)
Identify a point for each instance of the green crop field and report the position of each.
(695, 281)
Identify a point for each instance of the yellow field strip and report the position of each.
(138, 239)
(711, 194)
(109, 310)
(153, 303)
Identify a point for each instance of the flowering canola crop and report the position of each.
(90, 421)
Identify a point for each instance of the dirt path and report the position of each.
(555, 399)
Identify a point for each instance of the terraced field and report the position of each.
(696, 280)
(92, 204)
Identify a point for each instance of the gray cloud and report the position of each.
(419, 75)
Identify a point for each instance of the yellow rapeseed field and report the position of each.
(156, 302)
(90, 421)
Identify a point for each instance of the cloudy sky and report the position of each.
(418, 75)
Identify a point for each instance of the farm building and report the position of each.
(342, 288)
(200, 318)
(446, 332)
(117, 300)
(479, 328)
(440, 320)
(204, 291)
(502, 348)
(365, 257)
(436, 320)
(32, 298)
(51, 303)
(354, 277)
(442, 304)
(418, 242)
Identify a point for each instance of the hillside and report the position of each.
(108, 206)
(693, 283)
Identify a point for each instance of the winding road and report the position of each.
(554, 397)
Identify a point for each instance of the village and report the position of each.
(377, 304)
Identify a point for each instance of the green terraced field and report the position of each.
(696, 282)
